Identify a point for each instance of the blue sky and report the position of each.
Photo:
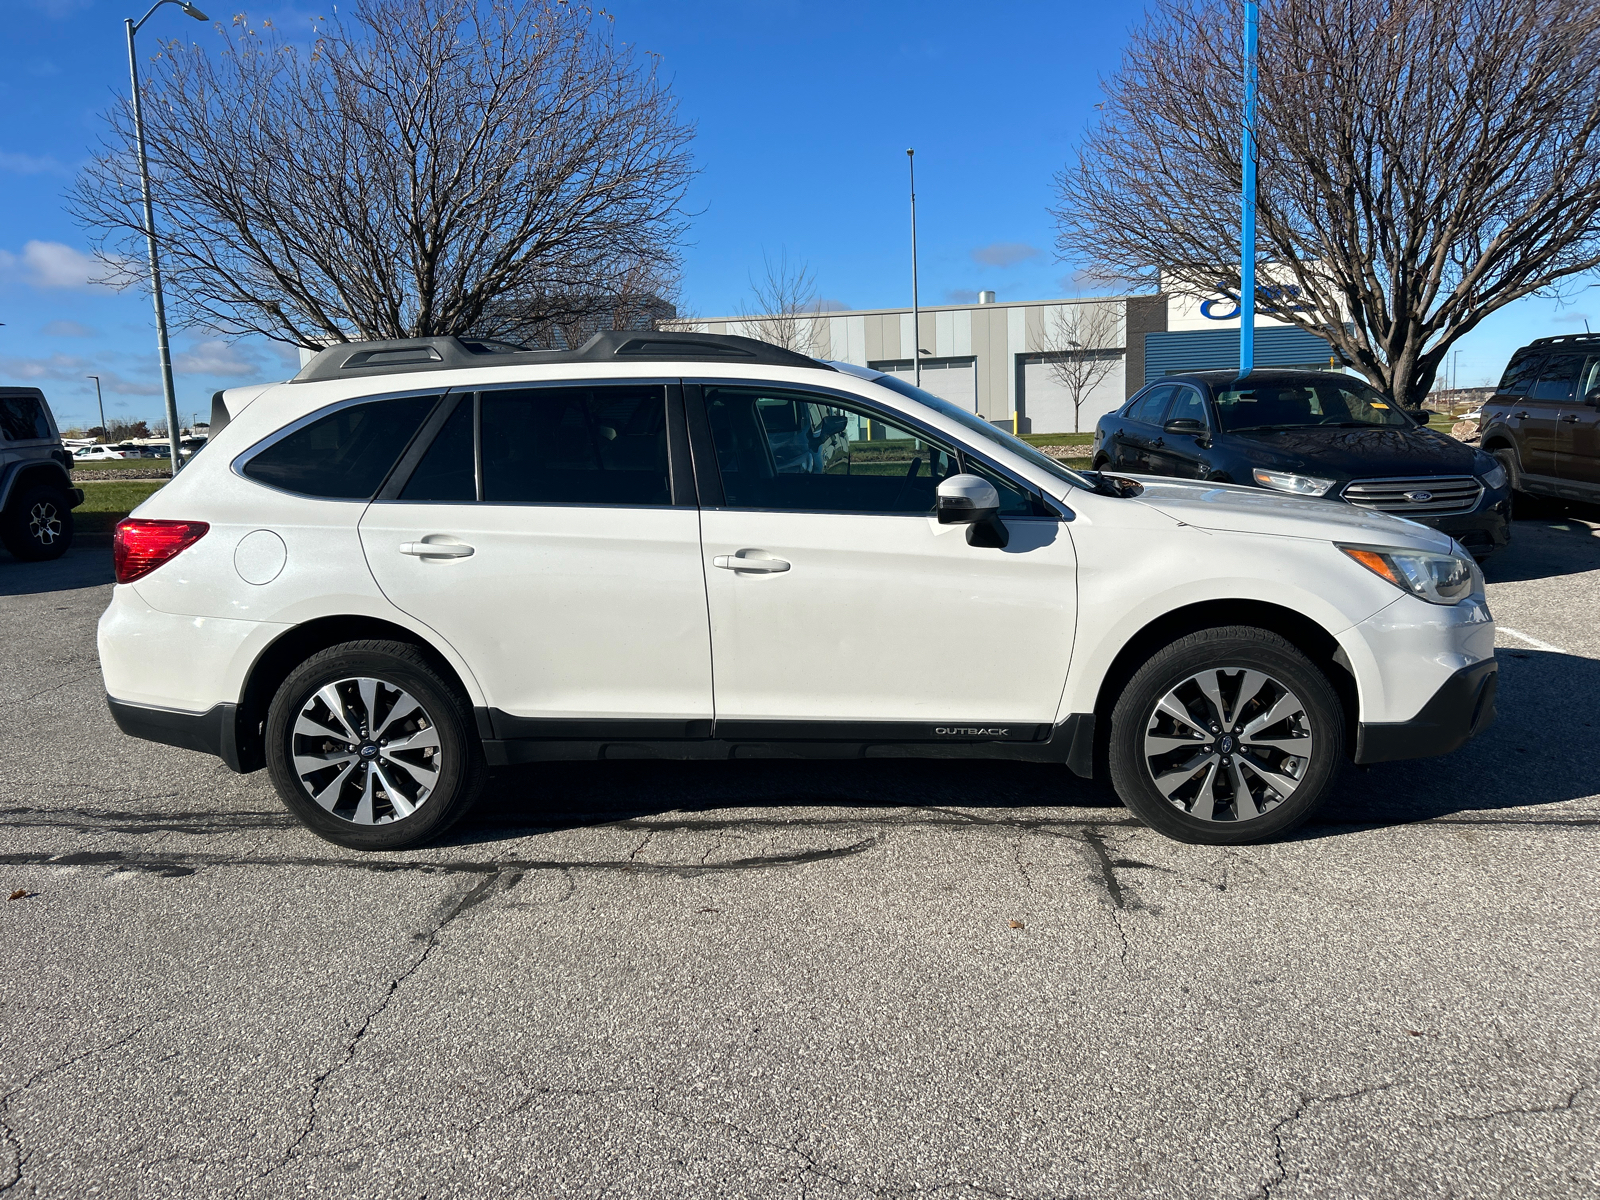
(804, 112)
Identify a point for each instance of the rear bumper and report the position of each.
(214, 731)
(1462, 708)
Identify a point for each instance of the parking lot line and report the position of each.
(1532, 641)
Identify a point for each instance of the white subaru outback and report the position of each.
(419, 559)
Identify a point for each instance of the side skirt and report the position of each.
(1071, 742)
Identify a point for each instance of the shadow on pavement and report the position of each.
(1549, 538)
(567, 795)
(77, 568)
(1511, 766)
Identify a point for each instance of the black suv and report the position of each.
(36, 492)
(1309, 433)
(1543, 423)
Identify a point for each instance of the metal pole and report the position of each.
(916, 331)
(163, 349)
(100, 400)
(1247, 204)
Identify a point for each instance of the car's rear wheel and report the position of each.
(37, 525)
(372, 748)
(1226, 736)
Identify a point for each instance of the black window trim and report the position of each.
(243, 458)
(680, 474)
(705, 454)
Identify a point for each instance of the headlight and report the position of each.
(1299, 485)
(1495, 477)
(1436, 578)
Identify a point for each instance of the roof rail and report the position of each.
(346, 360)
(1567, 339)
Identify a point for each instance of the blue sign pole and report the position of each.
(1247, 206)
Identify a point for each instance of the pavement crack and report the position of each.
(1302, 1104)
(470, 899)
(9, 1135)
(1561, 1106)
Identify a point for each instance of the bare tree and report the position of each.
(783, 305)
(1084, 342)
(424, 167)
(1422, 164)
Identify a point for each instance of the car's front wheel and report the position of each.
(372, 748)
(1226, 736)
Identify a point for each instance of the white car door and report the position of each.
(838, 599)
(539, 536)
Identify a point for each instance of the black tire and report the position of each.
(358, 776)
(1172, 669)
(37, 524)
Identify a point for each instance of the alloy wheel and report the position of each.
(1228, 744)
(366, 751)
(44, 523)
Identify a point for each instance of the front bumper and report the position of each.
(1482, 531)
(1460, 710)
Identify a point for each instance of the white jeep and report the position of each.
(420, 559)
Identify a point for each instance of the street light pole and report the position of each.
(162, 347)
(916, 331)
(100, 400)
(1247, 201)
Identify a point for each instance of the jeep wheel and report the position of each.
(372, 748)
(37, 524)
(1226, 736)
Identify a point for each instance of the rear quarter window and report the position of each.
(23, 419)
(344, 455)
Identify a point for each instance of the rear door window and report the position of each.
(23, 419)
(344, 455)
(576, 445)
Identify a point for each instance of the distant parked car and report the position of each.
(1543, 423)
(98, 454)
(1309, 433)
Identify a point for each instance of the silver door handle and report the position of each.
(1571, 418)
(436, 549)
(765, 565)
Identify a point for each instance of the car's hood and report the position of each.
(1238, 509)
(1357, 453)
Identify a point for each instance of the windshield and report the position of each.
(983, 429)
(1338, 401)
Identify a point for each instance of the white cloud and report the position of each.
(51, 265)
(73, 369)
(216, 358)
(31, 164)
(1005, 254)
(68, 329)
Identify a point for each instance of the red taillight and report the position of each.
(139, 547)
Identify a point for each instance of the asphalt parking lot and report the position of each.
(803, 979)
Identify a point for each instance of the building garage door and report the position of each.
(1047, 404)
(952, 379)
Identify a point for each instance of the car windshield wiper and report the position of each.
(1266, 428)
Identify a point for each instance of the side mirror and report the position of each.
(966, 500)
(1190, 425)
(833, 426)
(972, 501)
(1593, 398)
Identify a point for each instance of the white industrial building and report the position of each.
(994, 358)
